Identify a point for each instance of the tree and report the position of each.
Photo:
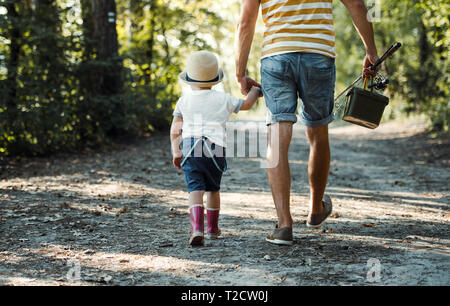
(155, 37)
(421, 69)
(101, 110)
(12, 65)
(104, 20)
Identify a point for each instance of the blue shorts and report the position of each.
(308, 76)
(200, 171)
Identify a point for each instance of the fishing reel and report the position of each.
(379, 82)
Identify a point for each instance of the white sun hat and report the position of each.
(202, 69)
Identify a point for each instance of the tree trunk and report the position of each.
(88, 30)
(151, 42)
(48, 34)
(424, 48)
(13, 62)
(107, 45)
(134, 16)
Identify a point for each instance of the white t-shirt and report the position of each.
(205, 113)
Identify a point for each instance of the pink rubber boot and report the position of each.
(212, 218)
(197, 224)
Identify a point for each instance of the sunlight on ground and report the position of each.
(127, 224)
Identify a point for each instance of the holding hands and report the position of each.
(246, 83)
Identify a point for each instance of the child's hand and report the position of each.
(257, 89)
(177, 158)
(246, 83)
(251, 98)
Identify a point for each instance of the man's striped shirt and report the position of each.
(298, 26)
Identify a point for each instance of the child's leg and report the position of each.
(212, 214)
(197, 213)
(196, 197)
(213, 200)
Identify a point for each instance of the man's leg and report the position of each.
(318, 165)
(278, 170)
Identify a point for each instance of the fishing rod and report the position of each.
(392, 49)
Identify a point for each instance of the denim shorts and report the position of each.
(308, 76)
(200, 171)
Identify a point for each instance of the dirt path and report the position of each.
(120, 218)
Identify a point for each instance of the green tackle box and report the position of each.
(364, 108)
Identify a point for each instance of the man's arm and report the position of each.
(175, 140)
(243, 43)
(358, 13)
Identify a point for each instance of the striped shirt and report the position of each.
(298, 26)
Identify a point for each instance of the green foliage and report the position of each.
(155, 37)
(419, 71)
(37, 88)
(52, 81)
(58, 94)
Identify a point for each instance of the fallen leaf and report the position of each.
(123, 210)
(399, 183)
(404, 240)
(369, 225)
(105, 279)
(335, 215)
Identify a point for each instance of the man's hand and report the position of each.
(369, 60)
(177, 159)
(358, 13)
(246, 83)
(243, 42)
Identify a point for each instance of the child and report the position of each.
(200, 118)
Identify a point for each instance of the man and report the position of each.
(298, 62)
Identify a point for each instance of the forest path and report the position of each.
(121, 217)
